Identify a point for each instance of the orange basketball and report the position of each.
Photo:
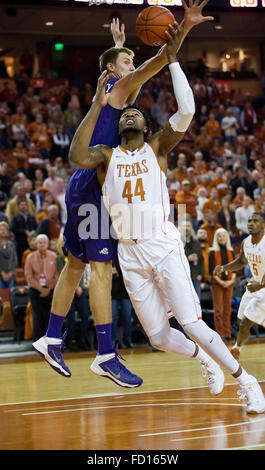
(151, 24)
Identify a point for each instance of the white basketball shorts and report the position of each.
(252, 306)
(157, 277)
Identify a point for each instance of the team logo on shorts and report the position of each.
(104, 251)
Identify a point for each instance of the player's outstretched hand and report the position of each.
(173, 41)
(118, 33)
(101, 97)
(193, 13)
(217, 270)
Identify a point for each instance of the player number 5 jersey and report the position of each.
(135, 193)
(255, 254)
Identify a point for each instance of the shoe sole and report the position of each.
(256, 412)
(53, 364)
(100, 372)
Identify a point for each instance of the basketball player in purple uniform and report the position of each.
(86, 235)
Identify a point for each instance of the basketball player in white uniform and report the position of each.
(252, 305)
(151, 254)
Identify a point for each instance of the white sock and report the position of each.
(243, 378)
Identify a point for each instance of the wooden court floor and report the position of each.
(40, 410)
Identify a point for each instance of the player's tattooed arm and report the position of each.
(97, 156)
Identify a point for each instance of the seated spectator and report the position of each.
(54, 111)
(240, 180)
(187, 197)
(193, 252)
(210, 224)
(248, 118)
(203, 143)
(41, 276)
(226, 217)
(50, 226)
(60, 143)
(181, 170)
(35, 160)
(238, 200)
(220, 182)
(8, 258)
(32, 128)
(12, 207)
(213, 202)
(4, 131)
(213, 128)
(60, 170)
(202, 197)
(18, 132)
(230, 126)
(242, 215)
(199, 165)
(20, 157)
(42, 141)
(71, 119)
(22, 225)
(3, 200)
(54, 184)
(222, 286)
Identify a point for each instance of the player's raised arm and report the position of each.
(125, 89)
(78, 153)
(166, 139)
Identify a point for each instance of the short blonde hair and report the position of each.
(4, 224)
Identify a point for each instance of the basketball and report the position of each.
(151, 24)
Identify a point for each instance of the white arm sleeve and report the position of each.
(181, 120)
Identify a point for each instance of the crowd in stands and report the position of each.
(217, 171)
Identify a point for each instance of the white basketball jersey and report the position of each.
(135, 193)
(255, 254)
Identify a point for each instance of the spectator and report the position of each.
(42, 141)
(22, 225)
(187, 197)
(54, 111)
(71, 119)
(227, 219)
(121, 304)
(38, 123)
(20, 157)
(242, 215)
(50, 225)
(230, 126)
(202, 196)
(194, 254)
(61, 143)
(41, 276)
(240, 180)
(60, 170)
(8, 258)
(213, 202)
(221, 253)
(248, 118)
(32, 247)
(12, 207)
(4, 134)
(213, 128)
(54, 184)
(181, 170)
(202, 236)
(210, 224)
